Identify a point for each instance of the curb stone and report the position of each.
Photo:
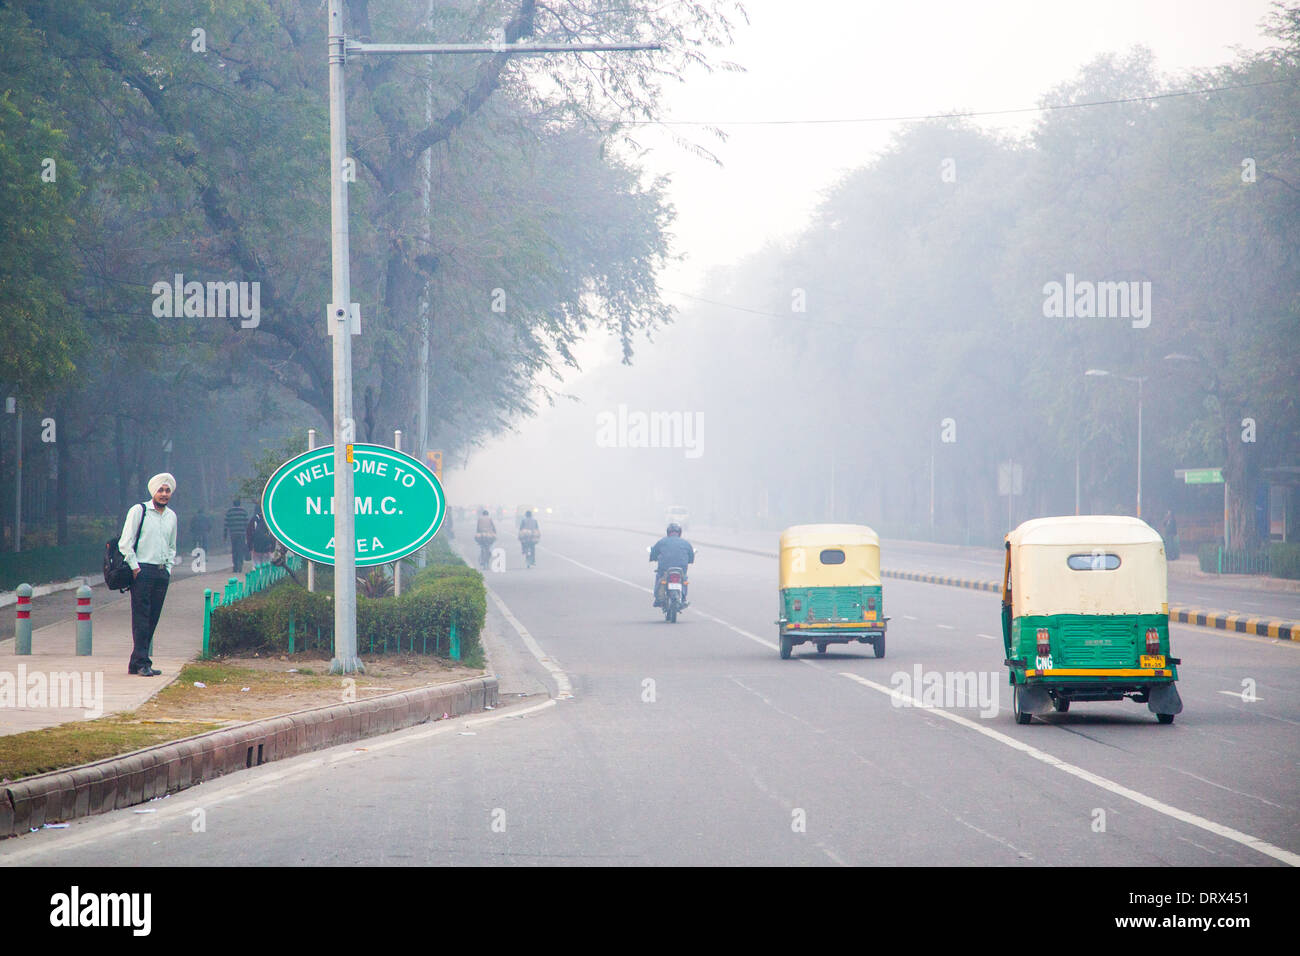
(119, 782)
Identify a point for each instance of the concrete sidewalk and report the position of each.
(103, 684)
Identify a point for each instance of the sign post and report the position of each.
(398, 505)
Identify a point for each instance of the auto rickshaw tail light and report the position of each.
(798, 604)
(1153, 641)
(1044, 644)
(871, 604)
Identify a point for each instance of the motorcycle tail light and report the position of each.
(674, 578)
(1153, 641)
(1044, 645)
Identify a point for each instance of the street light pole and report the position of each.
(345, 660)
(340, 316)
(1127, 378)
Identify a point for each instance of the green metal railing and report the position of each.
(1215, 559)
(258, 579)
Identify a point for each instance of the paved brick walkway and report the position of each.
(103, 675)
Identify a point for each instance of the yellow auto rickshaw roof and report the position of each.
(1043, 583)
(1084, 530)
(824, 535)
(801, 548)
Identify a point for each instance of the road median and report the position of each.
(130, 779)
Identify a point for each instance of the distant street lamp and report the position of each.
(1139, 380)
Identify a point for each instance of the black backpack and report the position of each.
(117, 573)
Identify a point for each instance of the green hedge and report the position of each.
(419, 620)
(1285, 559)
(43, 565)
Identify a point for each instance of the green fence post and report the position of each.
(207, 621)
(290, 630)
(455, 641)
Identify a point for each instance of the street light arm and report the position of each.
(486, 80)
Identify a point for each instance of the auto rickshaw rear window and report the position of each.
(1093, 561)
(832, 556)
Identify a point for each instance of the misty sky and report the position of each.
(833, 60)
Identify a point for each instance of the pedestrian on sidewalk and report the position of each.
(150, 560)
(1169, 532)
(234, 529)
(259, 538)
(201, 528)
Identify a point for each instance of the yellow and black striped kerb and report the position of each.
(1239, 623)
(993, 586)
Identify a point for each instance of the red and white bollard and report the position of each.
(83, 621)
(23, 625)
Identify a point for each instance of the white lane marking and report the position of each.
(564, 691)
(771, 645)
(989, 636)
(603, 574)
(1228, 833)
(1241, 696)
(947, 627)
(229, 789)
(1286, 856)
(909, 617)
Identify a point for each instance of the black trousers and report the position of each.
(148, 591)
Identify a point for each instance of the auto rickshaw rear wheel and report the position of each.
(879, 644)
(1022, 717)
(786, 646)
(1165, 718)
(1062, 704)
(821, 647)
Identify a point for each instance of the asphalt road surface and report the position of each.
(694, 743)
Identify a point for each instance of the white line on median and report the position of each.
(988, 636)
(564, 691)
(225, 790)
(1228, 833)
(947, 627)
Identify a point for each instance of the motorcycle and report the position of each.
(673, 581)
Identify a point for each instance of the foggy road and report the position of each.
(695, 744)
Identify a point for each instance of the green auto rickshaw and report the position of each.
(830, 587)
(1085, 615)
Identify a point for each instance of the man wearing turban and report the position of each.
(149, 545)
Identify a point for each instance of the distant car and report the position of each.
(679, 515)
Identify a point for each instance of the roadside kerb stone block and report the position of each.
(134, 778)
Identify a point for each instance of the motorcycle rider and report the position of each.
(671, 551)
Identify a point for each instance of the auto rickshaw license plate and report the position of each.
(1148, 660)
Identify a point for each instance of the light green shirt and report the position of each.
(157, 537)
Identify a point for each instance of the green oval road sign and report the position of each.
(399, 504)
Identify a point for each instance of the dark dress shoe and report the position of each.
(149, 672)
